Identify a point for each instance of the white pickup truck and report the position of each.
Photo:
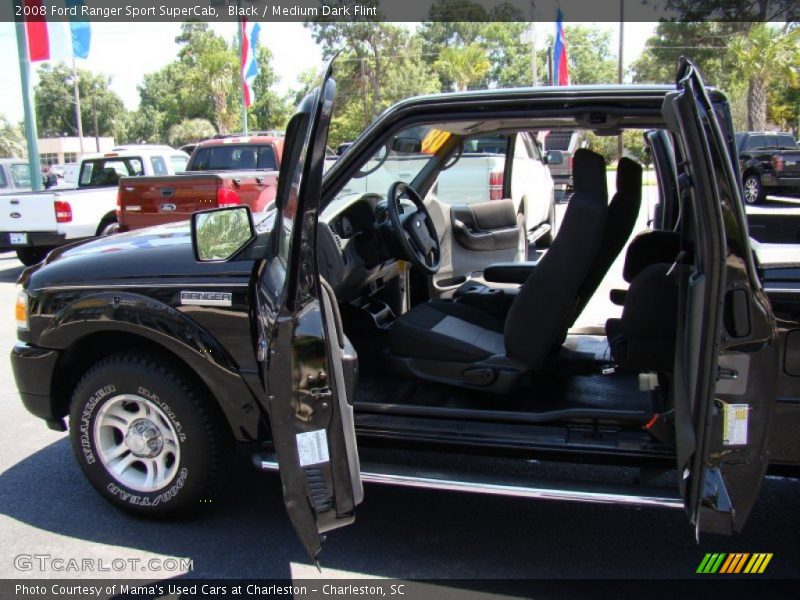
(33, 223)
(478, 175)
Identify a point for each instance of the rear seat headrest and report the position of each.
(649, 248)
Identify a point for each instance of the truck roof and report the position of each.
(134, 150)
(236, 138)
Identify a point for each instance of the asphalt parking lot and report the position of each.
(47, 508)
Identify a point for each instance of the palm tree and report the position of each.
(763, 54)
(463, 66)
(190, 130)
(12, 142)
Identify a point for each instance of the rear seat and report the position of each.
(643, 339)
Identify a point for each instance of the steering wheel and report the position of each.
(414, 231)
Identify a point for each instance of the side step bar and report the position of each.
(588, 492)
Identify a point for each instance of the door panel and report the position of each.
(309, 369)
(471, 237)
(726, 376)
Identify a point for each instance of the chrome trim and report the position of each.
(115, 286)
(783, 290)
(595, 496)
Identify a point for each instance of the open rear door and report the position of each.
(309, 368)
(726, 365)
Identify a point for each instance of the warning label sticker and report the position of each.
(312, 447)
(735, 429)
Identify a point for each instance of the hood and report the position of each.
(153, 256)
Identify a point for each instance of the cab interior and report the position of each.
(503, 341)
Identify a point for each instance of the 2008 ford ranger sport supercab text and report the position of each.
(414, 327)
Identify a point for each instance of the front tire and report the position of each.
(753, 190)
(147, 438)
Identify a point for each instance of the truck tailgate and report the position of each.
(148, 201)
(27, 211)
(791, 164)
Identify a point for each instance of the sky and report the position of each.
(127, 51)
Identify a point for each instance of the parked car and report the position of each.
(223, 171)
(560, 146)
(342, 148)
(313, 334)
(769, 163)
(33, 223)
(15, 176)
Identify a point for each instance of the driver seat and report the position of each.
(453, 342)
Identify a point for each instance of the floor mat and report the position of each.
(587, 347)
(622, 392)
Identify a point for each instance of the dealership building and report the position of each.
(64, 150)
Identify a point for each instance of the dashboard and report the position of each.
(352, 254)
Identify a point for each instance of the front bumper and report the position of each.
(33, 371)
(35, 239)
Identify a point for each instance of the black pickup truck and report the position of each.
(769, 163)
(342, 338)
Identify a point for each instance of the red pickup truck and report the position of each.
(223, 171)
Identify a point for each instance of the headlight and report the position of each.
(21, 309)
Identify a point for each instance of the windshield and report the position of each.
(234, 157)
(401, 158)
(20, 175)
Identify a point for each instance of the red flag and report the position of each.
(36, 28)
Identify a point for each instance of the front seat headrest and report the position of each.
(589, 173)
(629, 176)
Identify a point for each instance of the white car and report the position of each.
(33, 223)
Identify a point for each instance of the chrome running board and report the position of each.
(588, 492)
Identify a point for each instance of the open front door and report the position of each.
(308, 367)
(726, 363)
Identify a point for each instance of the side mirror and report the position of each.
(220, 233)
(554, 157)
(407, 145)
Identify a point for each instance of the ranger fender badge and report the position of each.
(207, 298)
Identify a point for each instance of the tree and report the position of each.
(269, 110)
(463, 66)
(783, 105)
(211, 75)
(204, 83)
(12, 140)
(459, 24)
(734, 10)
(705, 42)
(765, 53)
(379, 65)
(55, 103)
(590, 57)
(190, 130)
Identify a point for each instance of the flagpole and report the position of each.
(31, 135)
(78, 118)
(241, 74)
